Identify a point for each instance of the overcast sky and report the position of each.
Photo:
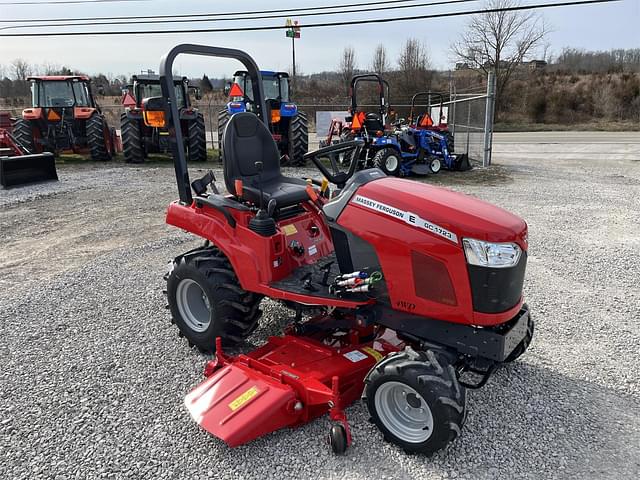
(592, 27)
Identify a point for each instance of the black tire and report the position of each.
(338, 439)
(197, 139)
(233, 313)
(132, 145)
(434, 379)
(383, 159)
(23, 133)
(298, 139)
(223, 118)
(523, 345)
(97, 138)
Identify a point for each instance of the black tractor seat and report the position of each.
(246, 140)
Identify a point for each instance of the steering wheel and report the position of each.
(337, 176)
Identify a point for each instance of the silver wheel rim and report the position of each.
(435, 165)
(404, 412)
(193, 305)
(391, 163)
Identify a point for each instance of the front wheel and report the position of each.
(388, 160)
(207, 301)
(523, 345)
(435, 165)
(415, 399)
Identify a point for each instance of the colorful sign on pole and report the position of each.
(293, 29)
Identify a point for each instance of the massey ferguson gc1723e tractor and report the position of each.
(405, 295)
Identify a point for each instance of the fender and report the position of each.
(83, 113)
(32, 113)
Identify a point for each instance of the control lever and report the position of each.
(327, 271)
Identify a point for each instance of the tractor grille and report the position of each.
(495, 290)
(431, 279)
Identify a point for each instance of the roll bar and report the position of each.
(172, 113)
(382, 85)
(429, 95)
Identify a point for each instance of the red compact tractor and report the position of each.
(140, 136)
(64, 116)
(404, 294)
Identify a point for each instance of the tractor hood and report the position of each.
(441, 212)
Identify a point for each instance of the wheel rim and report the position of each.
(193, 305)
(404, 412)
(391, 163)
(435, 165)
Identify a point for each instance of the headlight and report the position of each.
(494, 255)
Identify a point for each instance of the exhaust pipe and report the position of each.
(27, 169)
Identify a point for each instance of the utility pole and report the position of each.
(293, 32)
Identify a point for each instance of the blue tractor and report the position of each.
(397, 149)
(288, 125)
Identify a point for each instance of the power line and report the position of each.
(65, 2)
(313, 25)
(136, 21)
(220, 14)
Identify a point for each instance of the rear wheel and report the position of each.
(206, 300)
(131, 139)
(223, 118)
(197, 140)
(23, 133)
(98, 138)
(298, 139)
(416, 401)
(388, 160)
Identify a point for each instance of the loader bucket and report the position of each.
(462, 163)
(25, 169)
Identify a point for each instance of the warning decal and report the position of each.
(374, 353)
(407, 217)
(244, 398)
(355, 356)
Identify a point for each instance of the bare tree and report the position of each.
(347, 65)
(21, 69)
(499, 41)
(414, 67)
(380, 63)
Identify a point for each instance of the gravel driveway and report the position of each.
(93, 375)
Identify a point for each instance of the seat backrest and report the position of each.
(246, 140)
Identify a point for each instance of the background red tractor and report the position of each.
(139, 138)
(64, 116)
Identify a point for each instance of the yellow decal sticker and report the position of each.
(242, 399)
(374, 353)
(289, 229)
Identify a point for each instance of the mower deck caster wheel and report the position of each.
(338, 439)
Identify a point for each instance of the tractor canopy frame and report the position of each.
(172, 111)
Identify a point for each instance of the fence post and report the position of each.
(488, 119)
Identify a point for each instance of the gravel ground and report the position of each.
(93, 374)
